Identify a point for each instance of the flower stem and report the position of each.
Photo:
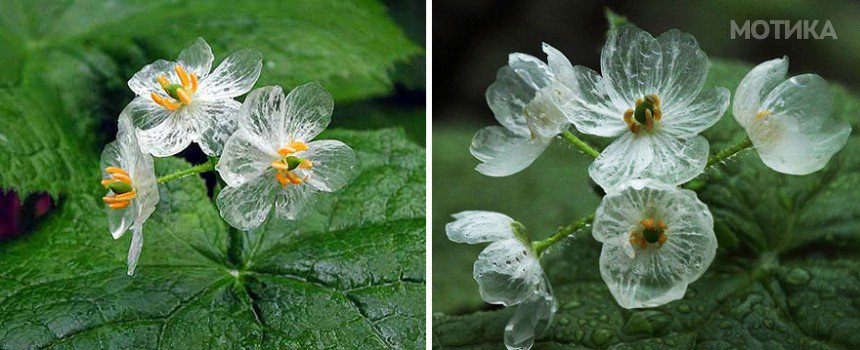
(201, 168)
(729, 152)
(578, 143)
(540, 246)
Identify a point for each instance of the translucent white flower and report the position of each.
(789, 121)
(271, 162)
(649, 98)
(130, 179)
(520, 99)
(180, 102)
(656, 239)
(507, 272)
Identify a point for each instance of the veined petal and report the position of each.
(515, 86)
(243, 159)
(120, 220)
(145, 81)
(197, 58)
(262, 115)
(295, 201)
(135, 247)
(479, 226)
(146, 114)
(626, 158)
(755, 87)
(333, 164)
(632, 65)
(169, 137)
(655, 156)
(217, 121)
(591, 110)
(508, 273)
(531, 318)
(643, 280)
(542, 116)
(502, 152)
(235, 76)
(705, 111)
(246, 206)
(308, 113)
(559, 66)
(685, 67)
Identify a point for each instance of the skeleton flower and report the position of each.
(788, 121)
(507, 272)
(132, 190)
(179, 102)
(520, 99)
(649, 99)
(656, 239)
(270, 161)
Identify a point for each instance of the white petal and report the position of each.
(503, 153)
(514, 88)
(705, 111)
(626, 158)
(685, 68)
(800, 135)
(295, 201)
(217, 121)
(235, 76)
(542, 116)
(530, 318)
(755, 86)
(246, 206)
(559, 65)
(169, 137)
(145, 113)
(591, 109)
(631, 62)
(197, 58)
(145, 81)
(120, 220)
(243, 159)
(308, 113)
(479, 226)
(134, 249)
(508, 273)
(333, 164)
(262, 116)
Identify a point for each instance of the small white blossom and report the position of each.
(129, 176)
(656, 239)
(272, 162)
(789, 121)
(520, 99)
(507, 272)
(649, 97)
(180, 102)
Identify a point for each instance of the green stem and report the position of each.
(729, 152)
(578, 143)
(540, 246)
(202, 168)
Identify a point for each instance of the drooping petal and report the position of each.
(531, 318)
(515, 86)
(262, 115)
(134, 248)
(479, 226)
(685, 67)
(502, 152)
(591, 109)
(120, 220)
(246, 206)
(197, 58)
(295, 201)
(307, 113)
(170, 137)
(145, 113)
(217, 121)
(799, 135)
(507, 273)
(632, 65)
(243, 159)
(755, 87)
(235, 76)
(333, 164)
(542, 116)
(145, 81)
(705, 111)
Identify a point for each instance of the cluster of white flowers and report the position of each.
(657, 238)
(268, 157)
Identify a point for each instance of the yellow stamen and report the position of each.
(183, 96)
(163, 81)
(293, 178)
(119, 205)
(306, 164)
(284, 182)
(762, 114)
(183, 77)
(280, 166)
(193, 83)
(122, 177)
(106, 182)
(115, 170)
(298, 145)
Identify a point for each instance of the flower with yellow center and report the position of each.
(182, 102)
(271, 162)
(657, 239)
(129, 177)
(649, 97)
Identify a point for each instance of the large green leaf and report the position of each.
(785, 276)
(349, 276)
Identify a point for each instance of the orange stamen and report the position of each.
(306, 164)
(298, 145)
(284, 182)
(762, 114)
(183, 96)
(193, 83)
(106, 182)
(119, 205)
(115, 170)
(122, 177)
(280, 166)
(183, 77)
(163, 81)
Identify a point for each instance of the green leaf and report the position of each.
(349, 276)
(785, 275)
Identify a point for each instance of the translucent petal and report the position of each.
(169, 137)
(145, 81)
(800, 135)
(530, 318)
(246, 206)
(145, 113)
(134, 248)
(515, 87)
(308, 113)
(146, 186)
(684, 70)
(591, 110)
(559, 66)
(262, 115)
(503, 152)
(705, 111)
(755, 86)
(235, 76)
(333, 164)
(632, 66)
(479, 226)
(120, 220)
(655, 155)
(542, 116)
(243, 159)
(217, 121)
(197, 58)
(507, 273)
(295, 201)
